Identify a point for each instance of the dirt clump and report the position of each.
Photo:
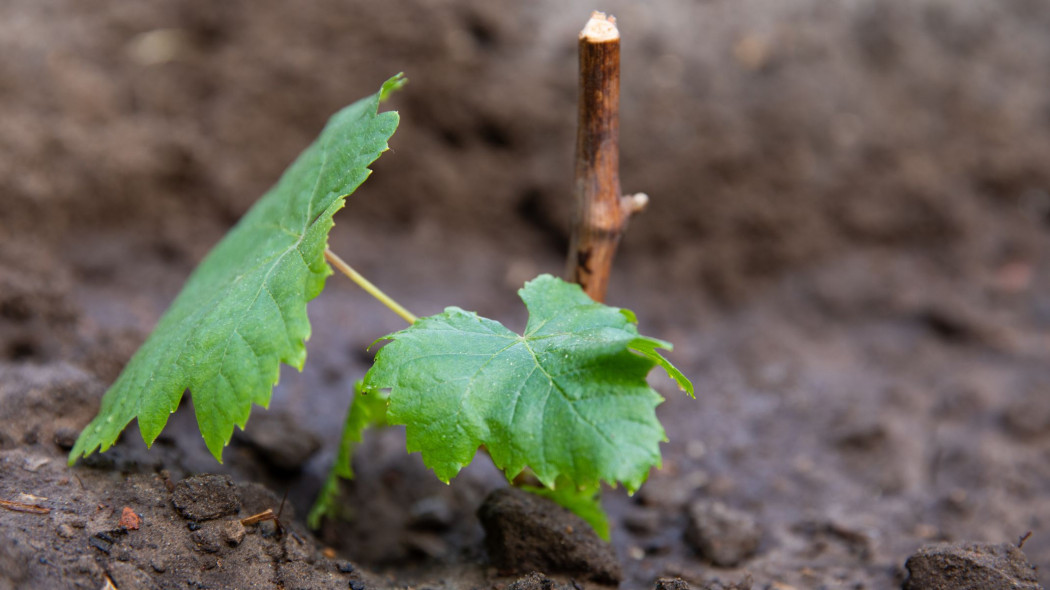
(722, 535)
(205, 497)
(525, 532)
(536, 581)
(846, 242)
(970, 566)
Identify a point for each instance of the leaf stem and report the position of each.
(367, 285)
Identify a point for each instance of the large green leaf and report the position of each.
(568, 398)
(243, 311)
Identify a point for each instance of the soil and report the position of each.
(847, 242)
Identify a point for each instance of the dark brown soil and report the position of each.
(847, 242)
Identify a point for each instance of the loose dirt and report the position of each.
(847, 242)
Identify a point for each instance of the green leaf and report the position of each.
(584, 502)
(568, 398)
(243, 311)
(367, 409)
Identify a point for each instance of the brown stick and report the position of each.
(257, 518)
(601, 212)
(20, 507)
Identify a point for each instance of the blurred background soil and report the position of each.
(847, 242)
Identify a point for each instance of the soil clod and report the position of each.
(970, 566)
(671, 584)
(722, 535)
(524, 532)
(206, 497)
(1027, 414)
(535, 581)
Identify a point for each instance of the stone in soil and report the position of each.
(722, 535)
(524, 532)
(206, 497)
(970, 566)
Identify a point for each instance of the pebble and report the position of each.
(207, 540)
(233, 532)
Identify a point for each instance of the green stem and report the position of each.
(368, 286)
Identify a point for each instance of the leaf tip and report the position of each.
(630, 315)
(392, 85)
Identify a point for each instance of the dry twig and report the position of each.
(20, 507)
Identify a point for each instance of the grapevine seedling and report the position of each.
(567, 400)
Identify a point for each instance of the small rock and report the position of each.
(208, 539)
(344, 566)
(206, 497)
(524, 532)
(970, 566)
(159, 563)
(233, 532)
(65, 530)
(720, 534)
(130, 520)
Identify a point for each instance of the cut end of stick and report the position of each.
(600, 28)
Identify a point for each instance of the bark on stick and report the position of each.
(601, 212)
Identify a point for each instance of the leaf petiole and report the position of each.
(367, 285)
